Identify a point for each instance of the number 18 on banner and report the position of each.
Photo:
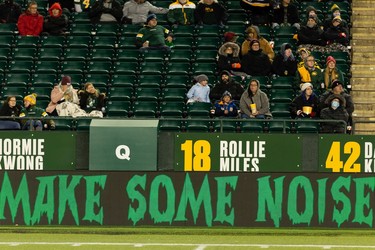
(196, 155)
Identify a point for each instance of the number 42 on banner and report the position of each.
(334, 161)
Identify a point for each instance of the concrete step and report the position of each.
(363, 46)
(363, 11)
(362, 83)
(363, 4)
(362, 21)
(363, 95)
(364, 128)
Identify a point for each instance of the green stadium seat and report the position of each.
(47, 67)
(280, 110)
(207, 68)
(239, 29)
(125, 68)
(155, 81)
(183, 43)
(341, 57)
(77, 79)
(127, 43)
(233, 6)
(303, 126)
(154, 55)
(120, 93)
(102, 55)
(280, 40)
(237, 18)
(223, 125)
(43, 93)
(104, 42)
(99, 80)
(282, 82)
(40, 80)
(177, 81)
(21, 66)
(281, 95)
(4, 53)
(284, 31)
(24, 54)
(208, 31)
(18, 92)
(207, 43)
(76, 54)
(124, 80)
(130, 30)
(152, 68)
(118, 108)
(81, 29)
(6, 41)
(194, 125)
(128, 55)
(145, 109)
(21, 80)
(252, 126)
(81, 17)
(319, 6)
(199, 109)
(110, 29)
(170, 125)
(178, 68)
(52, 41)
(99, 67)
(73, 67)
(83, 124)
(64, 123)
(147, 94)
(3, 66)
(279, 126)
(180, 55)
(172, 109)
(50, 54)
(183, 31)
(174, 94)
(8, 28)
(26, 41)
(206, 55)
(78, 41)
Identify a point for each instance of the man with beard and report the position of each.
(226, 83)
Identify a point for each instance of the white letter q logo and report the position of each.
(123, 152)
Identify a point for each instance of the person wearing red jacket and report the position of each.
(30, 23)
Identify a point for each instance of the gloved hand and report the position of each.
(342, 35)
(236, 65)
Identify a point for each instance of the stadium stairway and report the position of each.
(363, 65)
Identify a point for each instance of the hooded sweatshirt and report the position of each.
(259, 98)
(263, 43)
(29, 24)
(55, 25)
(282, 65)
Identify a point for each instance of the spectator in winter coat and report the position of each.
(210, 12)
(306, 104)
(12, 109)
(335, 111)
(225, 107)
(91, 99)
(226, 83)
(200, 91)
(310, 73)
(69, 6)
(56, 23)
(9, 12)
(252, 33)
(304, 53)
(285, 64)
(256, 63)
(254, 102)
(153, 36)
(335, 9)
(331, 73)
(136, 11)
(229, 58)
(336, 32)
(337, 88)
(181, 12)
(30, 23)
(311, 33)
(260, 10)
(105, 11)
(31, 110)
(286, 15)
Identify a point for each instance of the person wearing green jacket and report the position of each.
(30, 110)
(153, 36)
(181, 12)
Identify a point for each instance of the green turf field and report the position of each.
(41, 238)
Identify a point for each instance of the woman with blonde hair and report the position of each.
(331, 72)
(91, 99)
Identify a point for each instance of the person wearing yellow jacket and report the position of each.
(310, 73)
(181, 12)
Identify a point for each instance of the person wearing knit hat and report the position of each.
(230, 37)
(331, 72)
(225, 107)
(31, 111)
(154, 36)
(285, 63)
(337, 32)
(226, 84)
(56, 23)
(255, 62)
(336, 12)
(62, 92)
(105, 11)
(199, 92)
(253, 32)
(311, 33)
(306, 104)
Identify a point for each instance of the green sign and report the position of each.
(123, 145)
(231, 152)
(37, 150)
(347, 154)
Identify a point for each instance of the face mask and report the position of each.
(335, 104)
